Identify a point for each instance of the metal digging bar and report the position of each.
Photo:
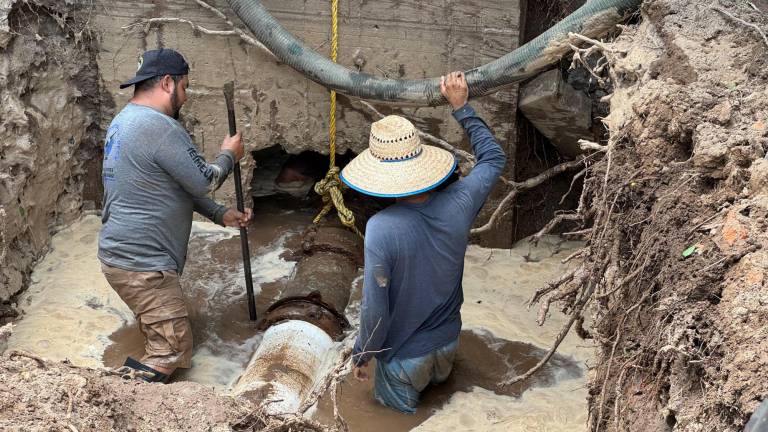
(229, 95)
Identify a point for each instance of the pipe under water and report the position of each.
(301, 326)
(594, 19)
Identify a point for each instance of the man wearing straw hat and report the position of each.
(414, 250)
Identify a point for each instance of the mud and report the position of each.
(681, 335)
(225, 340)
(69, 309)
(680, 339)
(482, 362)
(56, 396)
(499, 339)
(49, 129)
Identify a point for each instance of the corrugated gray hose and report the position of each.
(593, 19)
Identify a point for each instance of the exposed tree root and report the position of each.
(663, 319)
(146, 24)
(517, 187)
(18, 353)
(744, 23)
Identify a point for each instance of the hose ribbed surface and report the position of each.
(592, 19)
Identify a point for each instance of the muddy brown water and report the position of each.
(221, 329)
(481, 361)
(225, 339)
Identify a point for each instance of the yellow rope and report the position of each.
(331, 187)
(334, 54)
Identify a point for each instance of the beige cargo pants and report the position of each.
(158, 304)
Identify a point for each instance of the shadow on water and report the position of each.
(481, 361)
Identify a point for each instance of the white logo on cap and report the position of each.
(141, 62)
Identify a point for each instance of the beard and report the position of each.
(175, 107)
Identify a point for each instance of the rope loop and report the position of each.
(331, 187)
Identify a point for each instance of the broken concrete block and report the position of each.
(560, 112)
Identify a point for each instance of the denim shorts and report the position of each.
(399, 383)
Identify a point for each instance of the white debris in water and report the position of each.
(219, 364)
(213, 232)
(268, 265)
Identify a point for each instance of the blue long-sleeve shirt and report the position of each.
(414, 259)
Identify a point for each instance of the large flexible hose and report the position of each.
(593, 19)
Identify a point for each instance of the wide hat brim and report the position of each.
(396, 179)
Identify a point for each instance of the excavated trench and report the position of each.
(686, 130)
(68, 297)
(68, 312)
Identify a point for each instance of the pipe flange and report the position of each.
(306, 308)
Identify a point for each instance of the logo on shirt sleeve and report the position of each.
(111, 153)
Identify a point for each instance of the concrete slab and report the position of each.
(560, 112)
(276, 105)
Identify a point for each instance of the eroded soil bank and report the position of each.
(676, 261)
(50, 111)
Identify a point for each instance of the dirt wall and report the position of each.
(675, 267)
(276, 105)
(49, 129)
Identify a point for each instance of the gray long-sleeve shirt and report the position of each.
(154, 178)
(414, 259)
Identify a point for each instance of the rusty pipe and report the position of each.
(301, 327)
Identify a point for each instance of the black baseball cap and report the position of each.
(163, 61)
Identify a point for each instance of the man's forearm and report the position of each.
(225, 162)
(374, 310)
(180, 158)
(490, 159)
(210, 209)
(484, 144)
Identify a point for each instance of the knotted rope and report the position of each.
(331, 187)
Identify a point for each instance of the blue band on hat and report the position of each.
(381, 195)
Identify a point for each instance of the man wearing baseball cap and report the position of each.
(154, 178)
(414, 250)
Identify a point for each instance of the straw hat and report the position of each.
(396, 163)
